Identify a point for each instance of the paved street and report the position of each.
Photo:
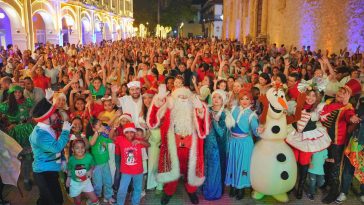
(181, 197)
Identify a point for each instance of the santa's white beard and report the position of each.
(182, 117)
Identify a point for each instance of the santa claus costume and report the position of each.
(184, 123)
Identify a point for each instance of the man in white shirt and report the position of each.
(131, 103)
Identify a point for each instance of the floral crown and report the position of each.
(316, 84)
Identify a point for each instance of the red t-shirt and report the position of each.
(41, 82)
(131, 156)
(293, 92)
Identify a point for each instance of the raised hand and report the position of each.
(49, 93)
(66, 126)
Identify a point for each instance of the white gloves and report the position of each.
(49, 93)
(161, 96)
(67, 126)
(196, 102)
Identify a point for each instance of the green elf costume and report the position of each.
(19, 128)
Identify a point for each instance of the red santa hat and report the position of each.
(129, 127)
(127, 116)
(353, 86)
(149, 92)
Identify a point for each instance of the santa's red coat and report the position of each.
(168, 166)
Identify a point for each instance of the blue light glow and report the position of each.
(307, 24)
(355, 31)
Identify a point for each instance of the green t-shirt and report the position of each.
(100, 150)
(79, 167)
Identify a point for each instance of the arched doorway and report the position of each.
(67, 28)
(12, 30)
(39, 28)
(99, 26)
(5, 29)
(86, 31)
(107, 32)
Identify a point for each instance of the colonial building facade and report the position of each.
(321, 24)
(26, 23)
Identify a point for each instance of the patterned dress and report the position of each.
(215, 146)
(22, 127)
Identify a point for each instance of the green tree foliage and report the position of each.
(176, 12)
(173, 14)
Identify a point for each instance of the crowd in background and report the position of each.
(92, 87)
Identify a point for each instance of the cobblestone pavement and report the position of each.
(181, 197)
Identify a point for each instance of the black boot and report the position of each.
(303, 169)
(331, 196)
(239, 194)
(165, 199)
(28, 185)
(193, 198)
(232, 192)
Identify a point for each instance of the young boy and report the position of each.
(140, 135)
(129, 151)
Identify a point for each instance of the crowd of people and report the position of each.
(100, 121)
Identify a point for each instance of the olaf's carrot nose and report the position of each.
(283, 103)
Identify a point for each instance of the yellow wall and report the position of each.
(325, 24)
(21, 12)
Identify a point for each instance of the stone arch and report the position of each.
(12, 28)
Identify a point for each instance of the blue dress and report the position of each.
(240, 148)
(215, 146)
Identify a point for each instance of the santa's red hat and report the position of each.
(129, 127)
(149, 92)
(127, 116)
(353, 86)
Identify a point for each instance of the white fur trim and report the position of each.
(192, 178)
(229, 120)
(174, 174)
(206, 118)
(160, 113)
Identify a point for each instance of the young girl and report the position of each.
(241, 145)
(76, 134)
(80, 167)
(308, 135)
(99, 149)
(129, 151)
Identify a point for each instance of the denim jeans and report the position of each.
(102, 178)
(347, 177)
(315, 180)
(117, 177)
(137, 188)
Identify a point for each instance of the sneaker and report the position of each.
(362, 198)
(143, 194)
(310, 197)
(341, 198)
(112, 201)
(109, 201)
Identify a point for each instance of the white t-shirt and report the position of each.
(128, 105)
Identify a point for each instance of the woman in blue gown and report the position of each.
(215, 148)
(241, 145)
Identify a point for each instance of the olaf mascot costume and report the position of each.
(273, 164)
